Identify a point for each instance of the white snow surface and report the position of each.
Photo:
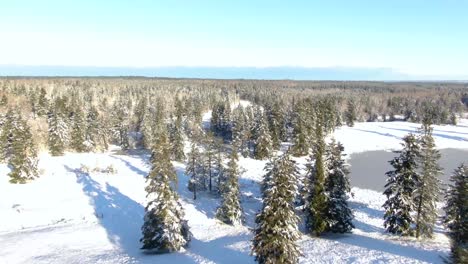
(370, 136)
(69, 216)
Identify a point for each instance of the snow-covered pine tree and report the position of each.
(339, 214)
(194, 170)
(456, 214)
(263, 144)
(164, 229)
(177, 139)
(301, 143)
(276, 232)
(92, 132)
(6, 135)
(400, 186)
(209, 158)
(427, 191)
(230, 211)
(23, 157)
(58, 133)
(218, 167)
(119, 124)
(275, 123)
(316, 199)
(78, 131)
(350, 114)
(42, 103)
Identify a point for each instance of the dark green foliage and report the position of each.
(263, 144)
(194, 170)
(316, 198)
(276, 232)
(456, 214)
(164, 229)
(58, 133)
(339, 215)
(400, 186)
(19, 148)
(350, 114)
(427, 192)
(230, 211)
(78, 131)
(177, 140)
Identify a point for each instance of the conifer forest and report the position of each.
(168, 170)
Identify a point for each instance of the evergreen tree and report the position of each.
(263, 144)
(78, 131)
(337, 187)
(230, 211)
(301, 144)
(316, 198)
(22, 153)
(427, 191)
(350, 114)
(400, 186)
(210, 152)
(194, 170)
(219, 170)
(164, 229)
(276, 232)
(43, 103)
(177, 139)
(58, 133)
(275, 124)
(6, 136)
(456, 214)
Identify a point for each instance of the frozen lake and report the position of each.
(368, 168)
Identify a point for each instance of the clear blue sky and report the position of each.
(425, 38)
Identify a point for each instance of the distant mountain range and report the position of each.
(272, 73)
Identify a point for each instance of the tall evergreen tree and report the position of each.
(194, 170)
(400, 186)
(301, 140)
(456, 214)
(263, 144)
(316, 199)
(339, 214)
(350, 114)
(78, 131)
(230, 211)
(276, 232)
(209, 155)
(427, 191)
(177, 140)
(164, 229)
(58, 133)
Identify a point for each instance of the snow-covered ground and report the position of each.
(388, 135)
(69, 215)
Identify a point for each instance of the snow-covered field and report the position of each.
(71, 216)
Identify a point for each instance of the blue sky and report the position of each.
(412, 37)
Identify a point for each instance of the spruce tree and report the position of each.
(427, 191)
(456, 214)
(350, 114)
(92, 131)
(400, 186)
(78, 131)
(316, 199)
(177, 139)
(263, 144)
(194, 170)
(23, 154)
(164, 229)
(301, 144)
(230, 211)
(58, 133)
(276, 232)
(339, 214)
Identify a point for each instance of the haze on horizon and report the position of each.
(410, 39)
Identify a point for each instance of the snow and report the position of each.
(370, 136)
(68, 216)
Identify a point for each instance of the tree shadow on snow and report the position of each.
(119, 215)
(131, 166)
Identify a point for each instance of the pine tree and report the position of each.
(456, 214)
(58, 133)
(316, 199)
(92, 131)
(275, 124)
(209, 158)
(263, 144)
(164, 229)
(218, 169)
(400, 186)
(22, 158)
(339, 214)
(78, 131)
(276, 232)
(301, 144)
(6, 136)
(230, 211)
(43, 103)
(350, 114)
(194, 170)
(177, 140)
(427, 191)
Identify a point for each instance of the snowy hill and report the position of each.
(79, 212)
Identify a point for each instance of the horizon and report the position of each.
(365, 40)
